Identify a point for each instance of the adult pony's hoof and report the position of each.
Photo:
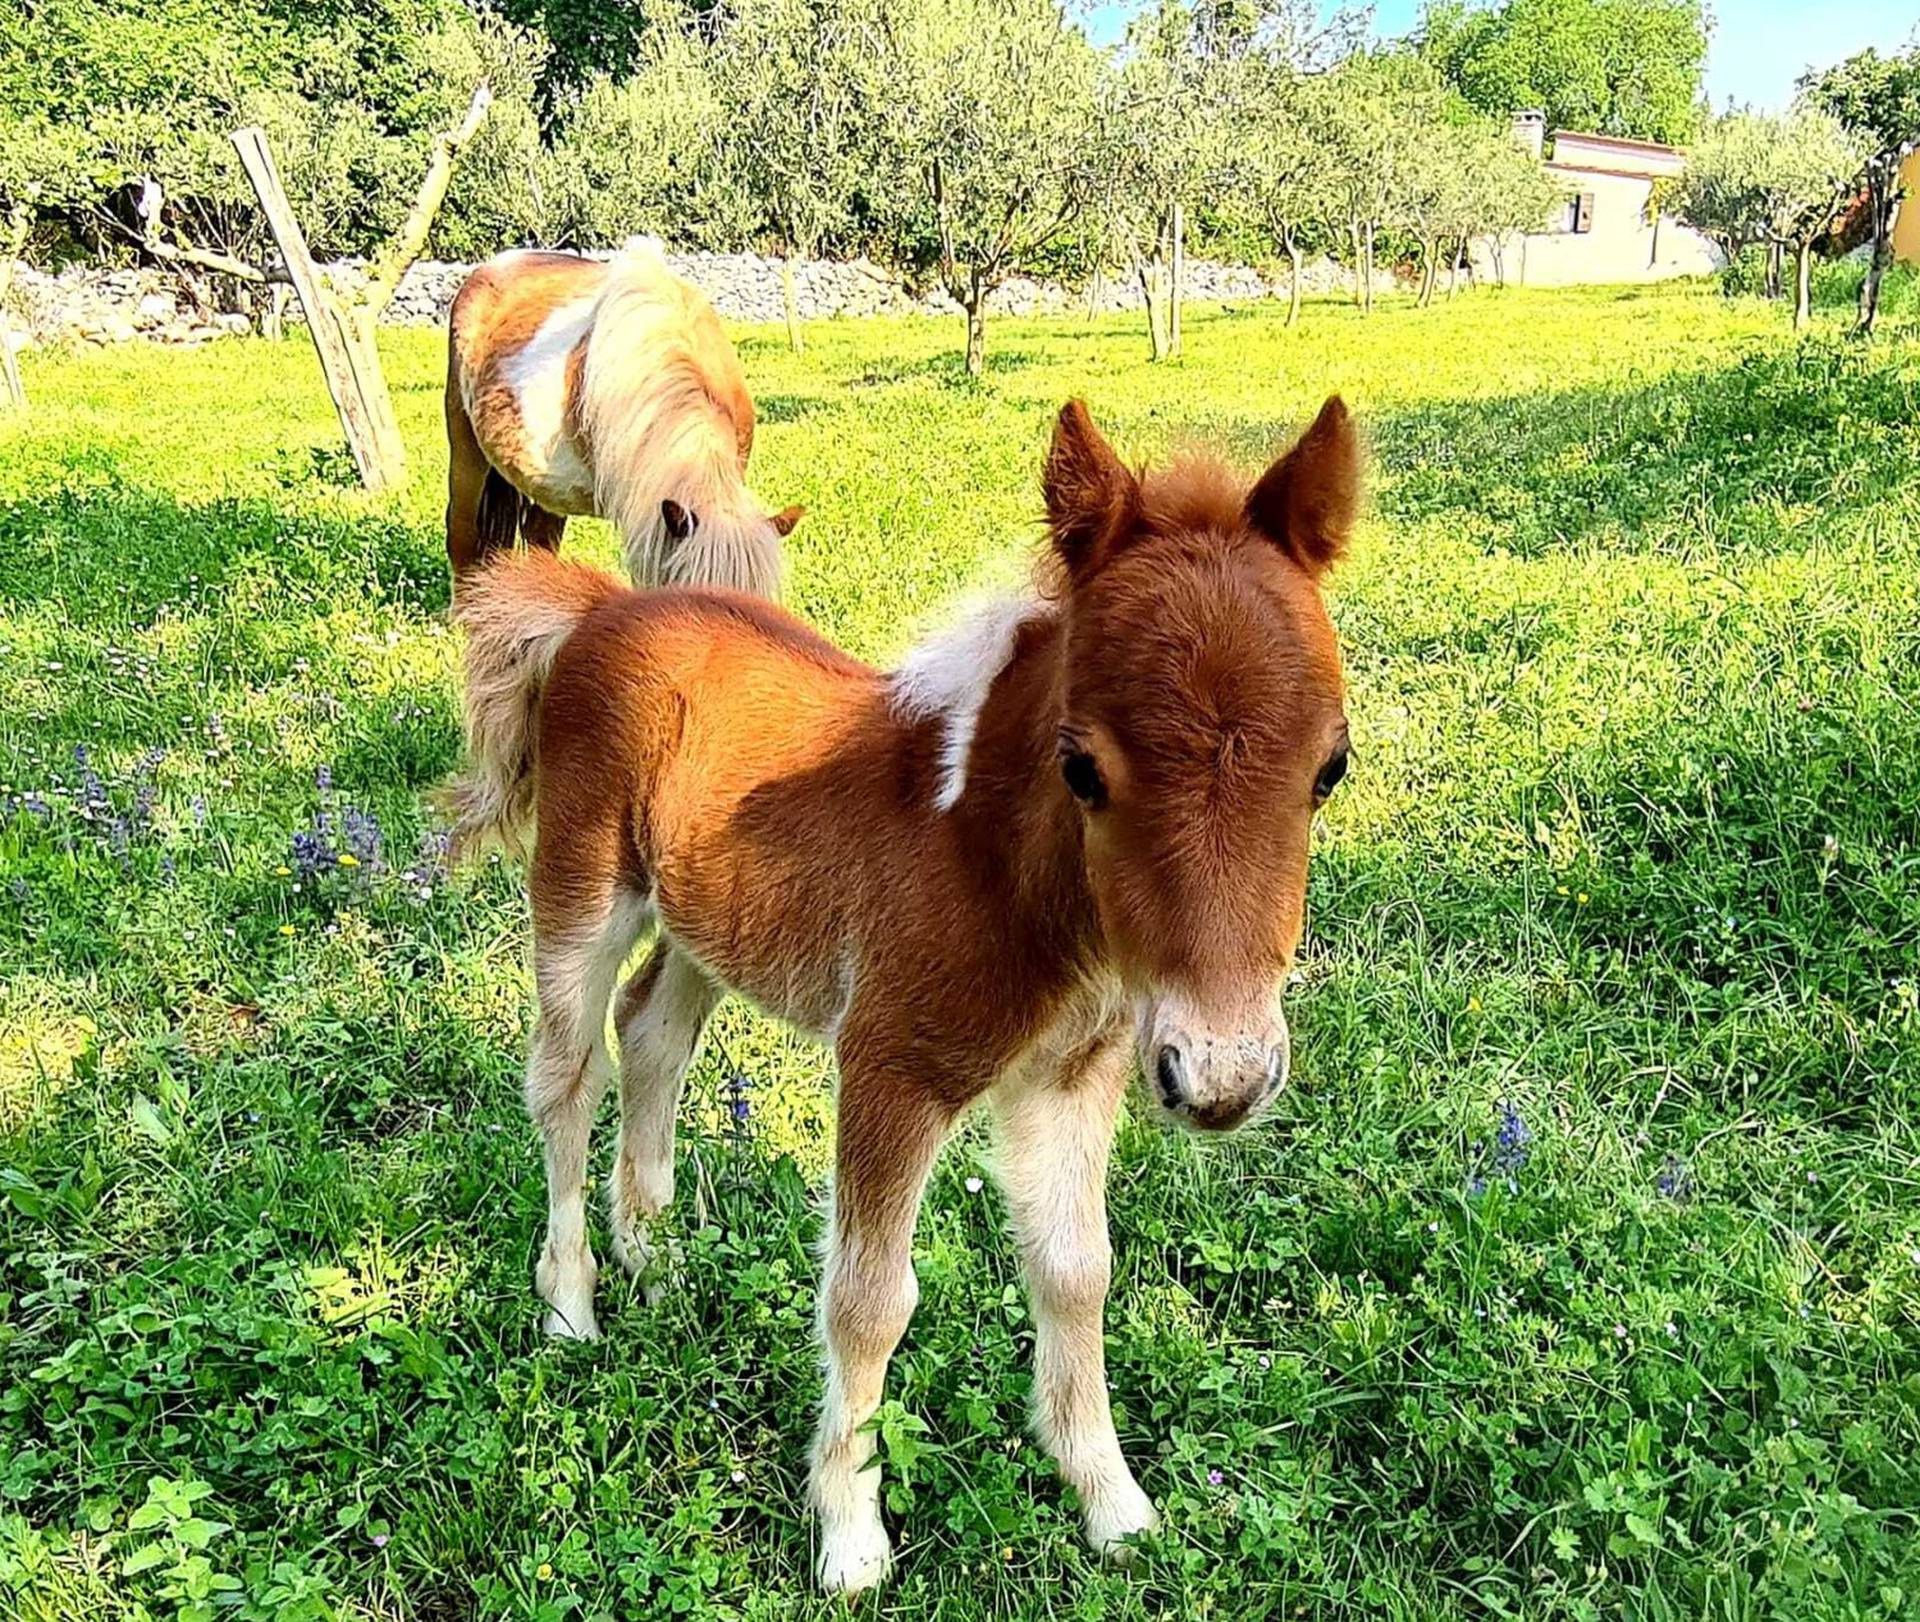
(855, 1559)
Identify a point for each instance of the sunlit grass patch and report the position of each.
(1578, 1275)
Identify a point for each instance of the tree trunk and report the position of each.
(1881, 191)
(791, 299)
(1353, 230)
(1179, 279)
(1653, 253)
(1459, 253)
(1773, 269)
(976, 306)
(1802, 282)
(1367, 262)
(1148, 271)
(1429, 271)
(1293, 281)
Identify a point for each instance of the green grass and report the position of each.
(1632, 843)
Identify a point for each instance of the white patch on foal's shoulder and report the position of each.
(537, 374)
(948, 677)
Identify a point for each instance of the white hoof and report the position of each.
(855, 1559)
(568, 1291)
(651, 1266)
(577, 1326)
(1122, 1514)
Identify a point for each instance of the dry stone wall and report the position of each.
(88, 304)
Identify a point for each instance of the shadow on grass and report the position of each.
(103, 546)
(1806, 427)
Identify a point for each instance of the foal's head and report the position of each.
(1201, 727)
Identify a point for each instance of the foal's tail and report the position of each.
(516, 611)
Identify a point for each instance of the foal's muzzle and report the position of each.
(1209, 1074)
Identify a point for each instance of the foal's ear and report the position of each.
(1091, 497)
(784, 520)
(1306, 502)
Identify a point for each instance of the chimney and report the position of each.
(1530, 130)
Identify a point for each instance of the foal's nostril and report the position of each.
(1170, 1070)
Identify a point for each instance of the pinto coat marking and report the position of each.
(580, 387)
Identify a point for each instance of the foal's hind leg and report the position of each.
(663, 1011)
(576, 961)
(1053, 1131)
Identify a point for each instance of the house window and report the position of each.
(1579, 216)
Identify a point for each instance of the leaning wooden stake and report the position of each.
(343, 327)
(15, 393)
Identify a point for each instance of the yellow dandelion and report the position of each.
(347, 859)
(1559, 889)
(286, 929)
(1473, 1005)
(283, 871)
(1582, 898)
(545, 1572)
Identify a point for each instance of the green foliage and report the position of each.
(1760, 177)
(987, 128)
(1877, 96)
(1612, 67)
(1630, 845)
(350, 95)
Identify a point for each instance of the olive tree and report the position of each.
(1755, 177)
(986, 156)
(799, 78)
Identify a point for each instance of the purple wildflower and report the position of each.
(1675, 1181)
(312, 856)
(1215, 1478)
(323, 779)
(19, 891)
(198, 805)
(360, 831)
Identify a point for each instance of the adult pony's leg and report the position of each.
(1053, 1130)
(888, 1135)
(578, 950)
(538, 527)
(466, 480)
(662, 1013)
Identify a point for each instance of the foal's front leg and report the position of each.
(886, 1141)
(1054, 1129)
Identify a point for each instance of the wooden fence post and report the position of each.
(343, 342)
(13, 392)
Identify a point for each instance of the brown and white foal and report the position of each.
(1074, 829)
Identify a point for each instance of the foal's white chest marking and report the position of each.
(537, 375)
(949, 676)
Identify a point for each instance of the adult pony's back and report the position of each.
(580, 387)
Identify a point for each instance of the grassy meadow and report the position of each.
(1578, 1275)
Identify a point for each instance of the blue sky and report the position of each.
(1758, 47)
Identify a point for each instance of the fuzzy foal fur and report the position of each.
(575, 386)
(1121, 863)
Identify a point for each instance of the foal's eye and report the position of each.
(1083, 778)
(1330, 775)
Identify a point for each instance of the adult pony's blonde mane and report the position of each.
(654, 407)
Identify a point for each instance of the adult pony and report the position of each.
(1075, 828)
(575, 386)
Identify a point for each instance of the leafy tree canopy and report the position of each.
(1615, 67)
